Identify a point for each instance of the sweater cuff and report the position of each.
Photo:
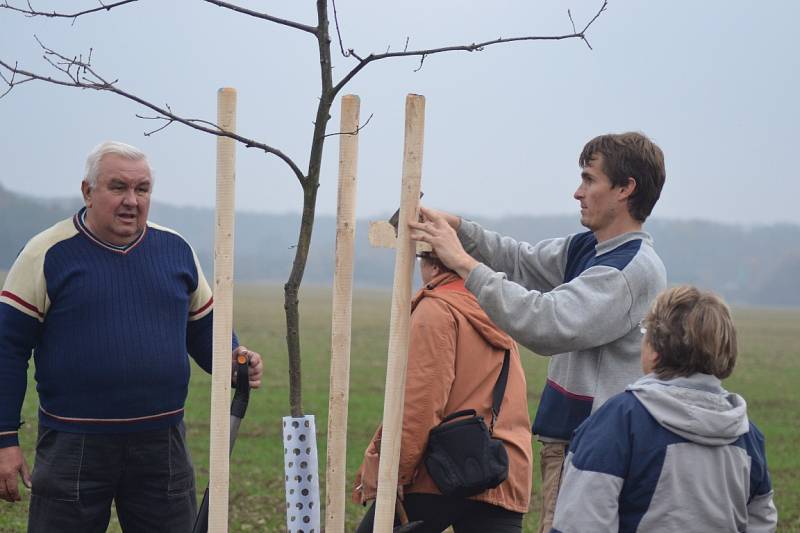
(9, 439)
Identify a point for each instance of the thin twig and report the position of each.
(349, 52)
(354, 132)
(421, 61)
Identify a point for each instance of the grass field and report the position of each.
(767, 375)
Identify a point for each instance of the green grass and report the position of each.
(767, 375)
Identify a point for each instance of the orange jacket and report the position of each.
(454, 358)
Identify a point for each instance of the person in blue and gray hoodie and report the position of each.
(578, 298)
(675, 452)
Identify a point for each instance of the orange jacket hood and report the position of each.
(449, 287)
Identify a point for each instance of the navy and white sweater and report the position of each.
(672, 456)
(109, 328)
(572, 298)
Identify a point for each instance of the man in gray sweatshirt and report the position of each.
(578, 298)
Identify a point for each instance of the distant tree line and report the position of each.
(748, 265)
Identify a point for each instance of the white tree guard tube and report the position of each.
(341, 324)
(302, 479)
(401, 316)
(219, 450)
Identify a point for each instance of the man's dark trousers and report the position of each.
(148, 474)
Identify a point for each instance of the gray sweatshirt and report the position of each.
(575, 300)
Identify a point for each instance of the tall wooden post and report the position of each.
(218, 461)
(400, 316)
(341, 326)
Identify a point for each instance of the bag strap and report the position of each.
(500, 390)
(458, 414)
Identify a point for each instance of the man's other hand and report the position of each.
(256, 366)
(12, 464)
(439, 230)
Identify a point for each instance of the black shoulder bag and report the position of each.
(462, 457)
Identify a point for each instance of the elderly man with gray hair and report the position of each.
(110, 304)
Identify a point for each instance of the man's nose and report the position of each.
(130, 197)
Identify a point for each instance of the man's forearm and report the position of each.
(465, 265)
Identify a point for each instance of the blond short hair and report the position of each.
(691, 331)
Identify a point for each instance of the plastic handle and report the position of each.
(242, 395)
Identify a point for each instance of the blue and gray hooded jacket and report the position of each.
(669, 456)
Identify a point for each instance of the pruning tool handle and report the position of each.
(242, 394)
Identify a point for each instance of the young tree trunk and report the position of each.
(310, 186)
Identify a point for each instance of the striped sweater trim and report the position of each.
(27, 308)
(111, 420)
(7, 433)
(206, 306)
(78, 221)
(569, 394)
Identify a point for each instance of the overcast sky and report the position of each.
(714, 83)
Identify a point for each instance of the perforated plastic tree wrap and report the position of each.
(302, 478)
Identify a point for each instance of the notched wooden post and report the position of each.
(400, 316)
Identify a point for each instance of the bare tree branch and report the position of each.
(474, 47)
(31, 12)
(81, 75)
(168, 121)
(12, 82)
(78, 72)
(292, 24)
(355, 131)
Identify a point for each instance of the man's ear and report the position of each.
(86, 191)
(625, 191)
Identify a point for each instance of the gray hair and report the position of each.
(110, 147)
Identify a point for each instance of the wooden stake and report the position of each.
(400, 317)
(341, 327)
(218, 461)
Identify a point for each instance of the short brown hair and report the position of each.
(630, 155)
(691, 331)
(433, 260)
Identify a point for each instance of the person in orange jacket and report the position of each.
(454, 359)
